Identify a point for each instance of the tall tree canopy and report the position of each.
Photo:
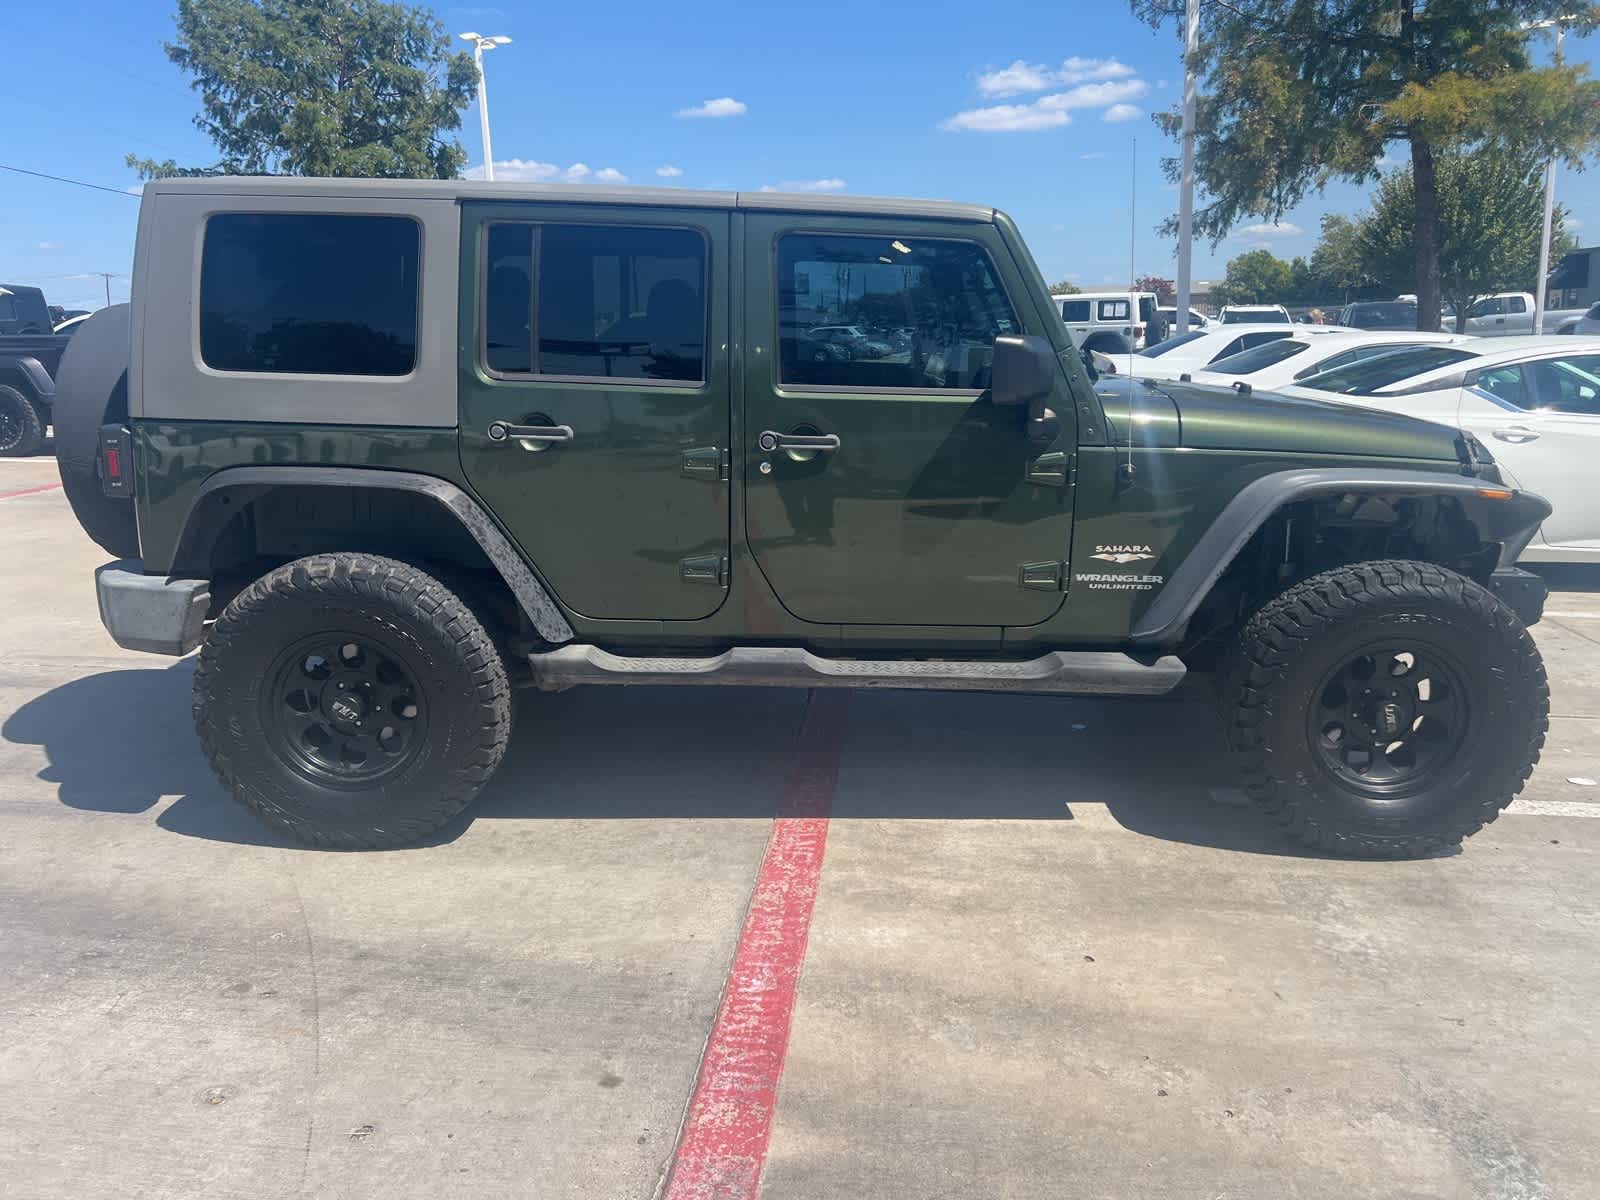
(1300, 92)
(321, 87)
(1491, 214)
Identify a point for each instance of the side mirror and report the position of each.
(1024, 373)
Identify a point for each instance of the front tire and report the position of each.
(1386, 709)
(21, 426)
(352, 701)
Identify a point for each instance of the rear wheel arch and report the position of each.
(242, 523)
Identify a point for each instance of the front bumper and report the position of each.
(1523, 592)
(151, 612)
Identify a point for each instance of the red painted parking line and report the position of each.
(43, 487)
(723, 1145)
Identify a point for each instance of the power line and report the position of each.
(62, 179)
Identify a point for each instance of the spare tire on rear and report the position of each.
(91, 391)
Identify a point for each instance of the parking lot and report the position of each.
(1051, 952)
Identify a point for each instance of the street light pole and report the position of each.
(1191, 39)
(1559, 24)
(481, 43)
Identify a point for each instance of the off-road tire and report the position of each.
(21, 426)
(1288, 647)
(445, 647)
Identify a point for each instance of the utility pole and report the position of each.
(1549, 213)
(106, 275)
(1191, 41)
(480, 43)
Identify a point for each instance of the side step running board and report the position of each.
(1084, 673)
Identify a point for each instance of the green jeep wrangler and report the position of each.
(384, 450)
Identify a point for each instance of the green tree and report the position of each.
(1338, 263)
(1491, 213)
(1299, 92)
(1256, 277)
(321, 87)
(1064, 288)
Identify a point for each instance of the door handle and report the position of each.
(531, 437)
(1517, 434)
(769, 441)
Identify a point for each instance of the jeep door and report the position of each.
(913, 504)
(594, 398)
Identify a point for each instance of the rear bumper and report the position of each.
(151, 612)
(1523, 592)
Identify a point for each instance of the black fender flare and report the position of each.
(1510, 520)
(218, 497)
(27, 370)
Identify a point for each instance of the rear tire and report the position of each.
(21, 426)
(1386, 709)
(352, 701)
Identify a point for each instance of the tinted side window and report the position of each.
(1505, 383)
(607, 301)
(1113, 310)
(1516, 304)
(621, 302)
(508, 299)
(311, 294)
(925, 312)
(1569, 385)
(1073, 311)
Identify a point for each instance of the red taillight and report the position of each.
(1138, 331)
(113, 465)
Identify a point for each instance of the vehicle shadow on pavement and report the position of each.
(627, 753)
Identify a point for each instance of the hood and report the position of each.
(1218, 418)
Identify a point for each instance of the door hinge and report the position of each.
(704, 568)
(1057, 469)
(706, 462)
(1042, 576)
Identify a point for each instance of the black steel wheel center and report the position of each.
(344, 709)
(1388, 721)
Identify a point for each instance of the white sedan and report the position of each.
(1279, 363)
(1197, 349)
(1533, 401)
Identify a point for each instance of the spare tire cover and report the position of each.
(91, 391)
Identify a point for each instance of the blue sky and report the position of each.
(1034, 111)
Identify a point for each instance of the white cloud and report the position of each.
(1023, 76)
(1122, 112)
(722, 106)
(831, 184)
(1573, 224)
(527, 170)
(136, 189)
(669, 171)
(1005, 118)
(1092, 155)
(57, 245)
(1265, 232)
(1058, 228)
(1047, 112)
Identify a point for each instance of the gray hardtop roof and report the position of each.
(566, 193)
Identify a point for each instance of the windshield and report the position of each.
(1255, 316)
(1368, 376)
(1248, 362)
(1172, 343)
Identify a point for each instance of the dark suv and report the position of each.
(382, 450)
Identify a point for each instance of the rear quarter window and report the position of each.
(309, 293)
(1074, 311)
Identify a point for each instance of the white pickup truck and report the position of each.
(1507, 313)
